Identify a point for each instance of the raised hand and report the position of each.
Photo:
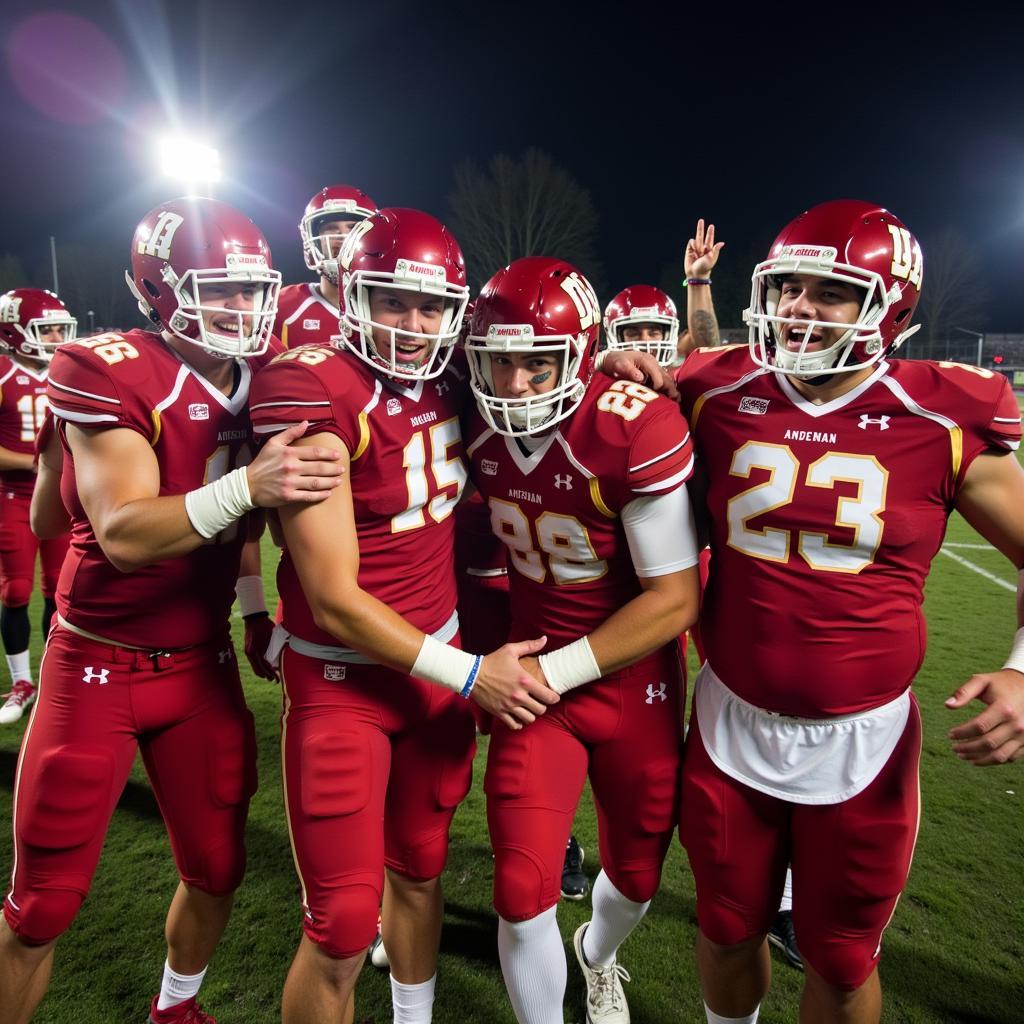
(702, 251)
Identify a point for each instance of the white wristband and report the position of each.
(1016, 658)
(249, 591)
(214, 506)
(570, 666)
(444, 664)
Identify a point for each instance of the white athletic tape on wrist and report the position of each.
(446, 665)
(249, 591)
(217, 505)
(1016, 658)
(571, 666)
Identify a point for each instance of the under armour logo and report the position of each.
(882, 422)
(442, 387)
(652, 693)
(563, 481)
(91, 676)
(223, 656)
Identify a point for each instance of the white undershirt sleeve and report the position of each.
(661, 533)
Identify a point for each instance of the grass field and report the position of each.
(955, 950)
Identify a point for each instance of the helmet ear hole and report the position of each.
(902, 315)
(151, 288)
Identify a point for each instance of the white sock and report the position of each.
(614, 918)
(413, 1004)
(19, 667)
(786, 903)
(533, 964)
(714, 1018)
(176, 988)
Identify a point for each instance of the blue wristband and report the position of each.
(468, 688)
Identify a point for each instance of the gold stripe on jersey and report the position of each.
(154, 415)
(364, 436)
(956, 443)
(595, 497)
(284, 334)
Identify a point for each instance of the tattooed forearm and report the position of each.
(705, 329)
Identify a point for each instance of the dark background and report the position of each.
(743, 118)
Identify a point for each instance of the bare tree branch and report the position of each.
(522, 207)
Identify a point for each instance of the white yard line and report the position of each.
(977, 568)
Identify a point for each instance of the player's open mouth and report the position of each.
(411, 352)
(230, 327)
(795, 336)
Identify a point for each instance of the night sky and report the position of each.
(743, 119)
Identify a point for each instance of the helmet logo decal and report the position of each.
(159, 242)
(9, 305)
(906, 256)
(578, 289)
(348, 248)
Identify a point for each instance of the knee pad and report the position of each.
(69, 800)
(521, 888)
(638, 880)
(15, 592)
(344, 921)
(43, 914)
(844, 962)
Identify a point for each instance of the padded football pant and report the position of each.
(850, 860)
(625, 732)
(18, 549)
(375, 763)
(97, 704)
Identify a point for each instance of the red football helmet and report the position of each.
(335, 202)
(410, 251)
(535, 304)
(187, 249)
(643, 304)
(33, 322)
(852, 242)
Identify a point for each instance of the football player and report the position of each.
(643, 318)
(308, 313)
(830, 472)
(158, 480)
(377, 734)
(33, 322)
(584, 478)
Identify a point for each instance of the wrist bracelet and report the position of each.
(697, 280)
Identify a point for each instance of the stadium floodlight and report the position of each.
(192, 161)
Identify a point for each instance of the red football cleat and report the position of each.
(188, 1012)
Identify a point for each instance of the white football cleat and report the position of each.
(606, 1001)
(22, 694)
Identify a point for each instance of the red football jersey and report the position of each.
(477, 550)
(23, 405)
(557, 508)
(304, 316)
(825, 519)
(134, 381)
(407, 475)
